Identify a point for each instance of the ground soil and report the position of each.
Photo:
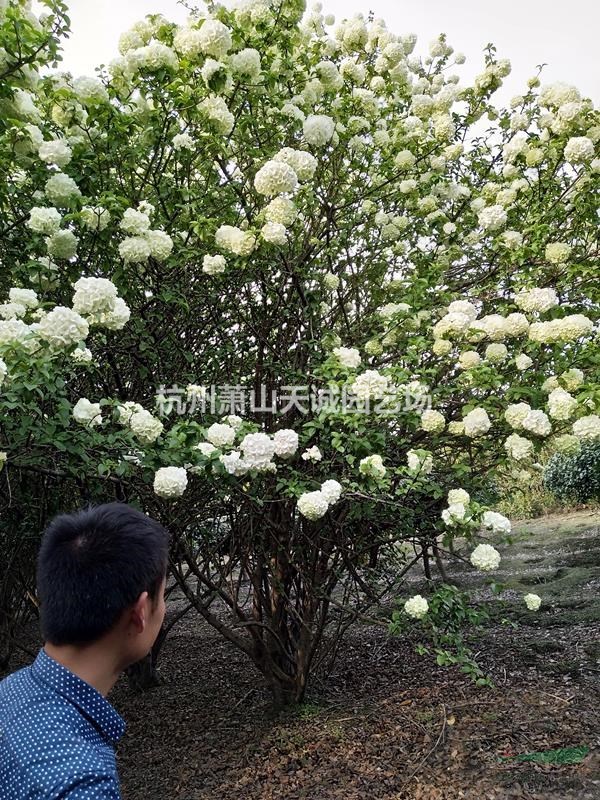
(388, 723)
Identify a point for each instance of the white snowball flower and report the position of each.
(160, 243)
(235, 240)
(170, 482)
(134, 249)
(370, 384)
(44, 220)
(82, 355)
(416, 607)
(441, 347)
(126, 410)
(538, 423)
(90, 91)
(561, 404)
(331, 281)
(579, 150)
(454, 514)
(557, 252)
(220, 435)
(469, 359)
(188, 41)
(518, 448)
(215, 38)
(419, 462)
(318, 130)
(458, 496)
(234, 463)
(206, 448)
(258, 449)
(372, 467)
(274, 233)
(312, 454)
(282, 211)
(516, 324)
(61, 190)
(496, 522)
(94, 295)
(275, 177)
(183, 141)
(218, 114)
(532, 601)
(214, 265)
(539, 300)
(587, 427)
(62, 327)
(455, 322)
(313, 505)
(145, 426)
(118, 317)
(134, 222)
(86, 413)
(62, 244)
(247, 63)
(516, 413)
(463, 307)
(485, 557)
(3, 371)
(571, 378)
(14, 332)
(492, 218)
(12, 310)
(94, 218)
(286, 443)
(56, 152)
(476, 423)
(523, 362)
(332, 491)
(347, 356)
(432, 421)
(496, 353)
(304, 164)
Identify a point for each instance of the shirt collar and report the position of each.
(87, 699)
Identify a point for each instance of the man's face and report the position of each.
(156, 615)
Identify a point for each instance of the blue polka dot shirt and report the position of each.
(56, 736)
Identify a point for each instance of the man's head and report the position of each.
(101, 568)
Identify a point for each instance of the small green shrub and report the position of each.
(575, 477)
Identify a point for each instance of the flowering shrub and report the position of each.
(263, 199)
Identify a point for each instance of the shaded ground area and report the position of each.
(388, 723)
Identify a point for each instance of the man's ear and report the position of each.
(138, 614)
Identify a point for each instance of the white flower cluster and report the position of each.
(214, 265)
(62, 327)
(579, 150)
(275, 177)
(416, 607)
(372, 467)
(587, 427)
(347, 356)
(235, 240)
(370, 385)
(55, 152)
(170, 482)
(532, 601)
(303, 164)
(564, 329)
(492, 218)
(432, 421)
(485, 557)
(314, 505)
(557, 252)
(218, 114)
(496, 522)
(318, 130)
(476, 423)
(312, 454)
(142, 242)
(420, 462)
(282, 211)
(61, 190)
(518, 448)
(96, 299)
(86, 413)
(94, 218)
(90, 91)
(561, 404)
(539, 300)
(44, 220)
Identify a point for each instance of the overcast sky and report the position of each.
(528, 32)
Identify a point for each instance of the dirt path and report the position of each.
(388, 723)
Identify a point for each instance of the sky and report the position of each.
(528, 32)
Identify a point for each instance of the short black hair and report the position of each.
(92, 565)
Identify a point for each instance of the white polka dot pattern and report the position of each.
(56, 736)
